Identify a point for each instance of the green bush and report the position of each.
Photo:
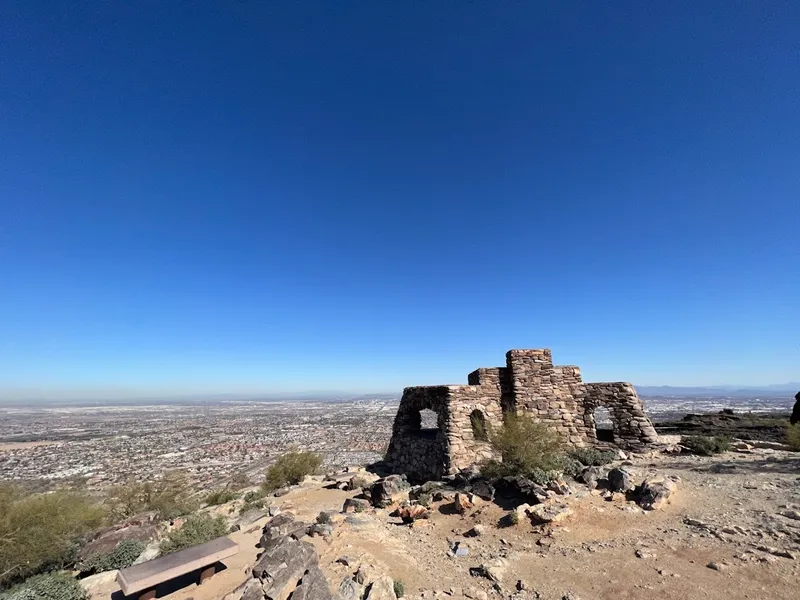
(399, 588)
(290, 469)
(793, 436)
(706, 446)
(250, 497)
(120, 557)
(42, 532)
(592, 457)
(169, 497)
(525, 446)
(510, 519)
(198, 529)
(218, 497)
(55, 586)
(424, 500)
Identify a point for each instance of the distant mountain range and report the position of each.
(777, 389)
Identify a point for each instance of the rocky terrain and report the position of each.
(743, 425)
(726, 526)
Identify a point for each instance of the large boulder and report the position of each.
(549, 513)
(483, 489)
(409, 514)
(143, 527)
(357, 482)
(381, 589)
(388, 490)
(592, 475)
(282, 526)
(522, 488)
(462, 503)
(653, 493)
(287, 566)
(350, 589)
(620, 480)
(355, 505)
(795, 418)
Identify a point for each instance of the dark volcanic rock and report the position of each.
(355, 505)
(522, 489)
(387, 490)
(483, 489)
(592, 475)
(281, 526)
(620, 480)
(746, 426)
(290, 567)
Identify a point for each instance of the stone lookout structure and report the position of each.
(528, 384)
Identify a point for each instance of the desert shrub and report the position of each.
(120, 557)
(592, 457)
(55, 586)
(252, 497)
(218, 497)
(793, 436)
(705, 445)
(544, 476)
(424, 499)
(510, 519)
(290, 469)
(399, 588)
(525, 446)
(168, 496)
(42, 532)
(565, 465)
(198, 529)
(324, 518)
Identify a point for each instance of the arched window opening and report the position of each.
(478, 423)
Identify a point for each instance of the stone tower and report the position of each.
(528, 384)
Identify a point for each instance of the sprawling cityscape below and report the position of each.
(213, 441)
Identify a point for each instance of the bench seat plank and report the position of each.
(149, 574)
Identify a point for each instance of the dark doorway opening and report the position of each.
(603, 425)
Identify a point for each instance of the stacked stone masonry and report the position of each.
(528, 384)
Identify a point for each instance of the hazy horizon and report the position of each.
(7, 396)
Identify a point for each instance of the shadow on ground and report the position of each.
(173, 585)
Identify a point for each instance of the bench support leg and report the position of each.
(148, 594)
(207, 573)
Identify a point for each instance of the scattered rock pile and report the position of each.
(288, 567)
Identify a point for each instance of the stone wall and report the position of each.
(630, 424)
(417, 452)
(551, 395)
(528, 384)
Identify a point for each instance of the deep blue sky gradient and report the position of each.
(263, 196)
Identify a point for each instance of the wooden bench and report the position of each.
(143, 578)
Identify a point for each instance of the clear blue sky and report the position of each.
(266, 196)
